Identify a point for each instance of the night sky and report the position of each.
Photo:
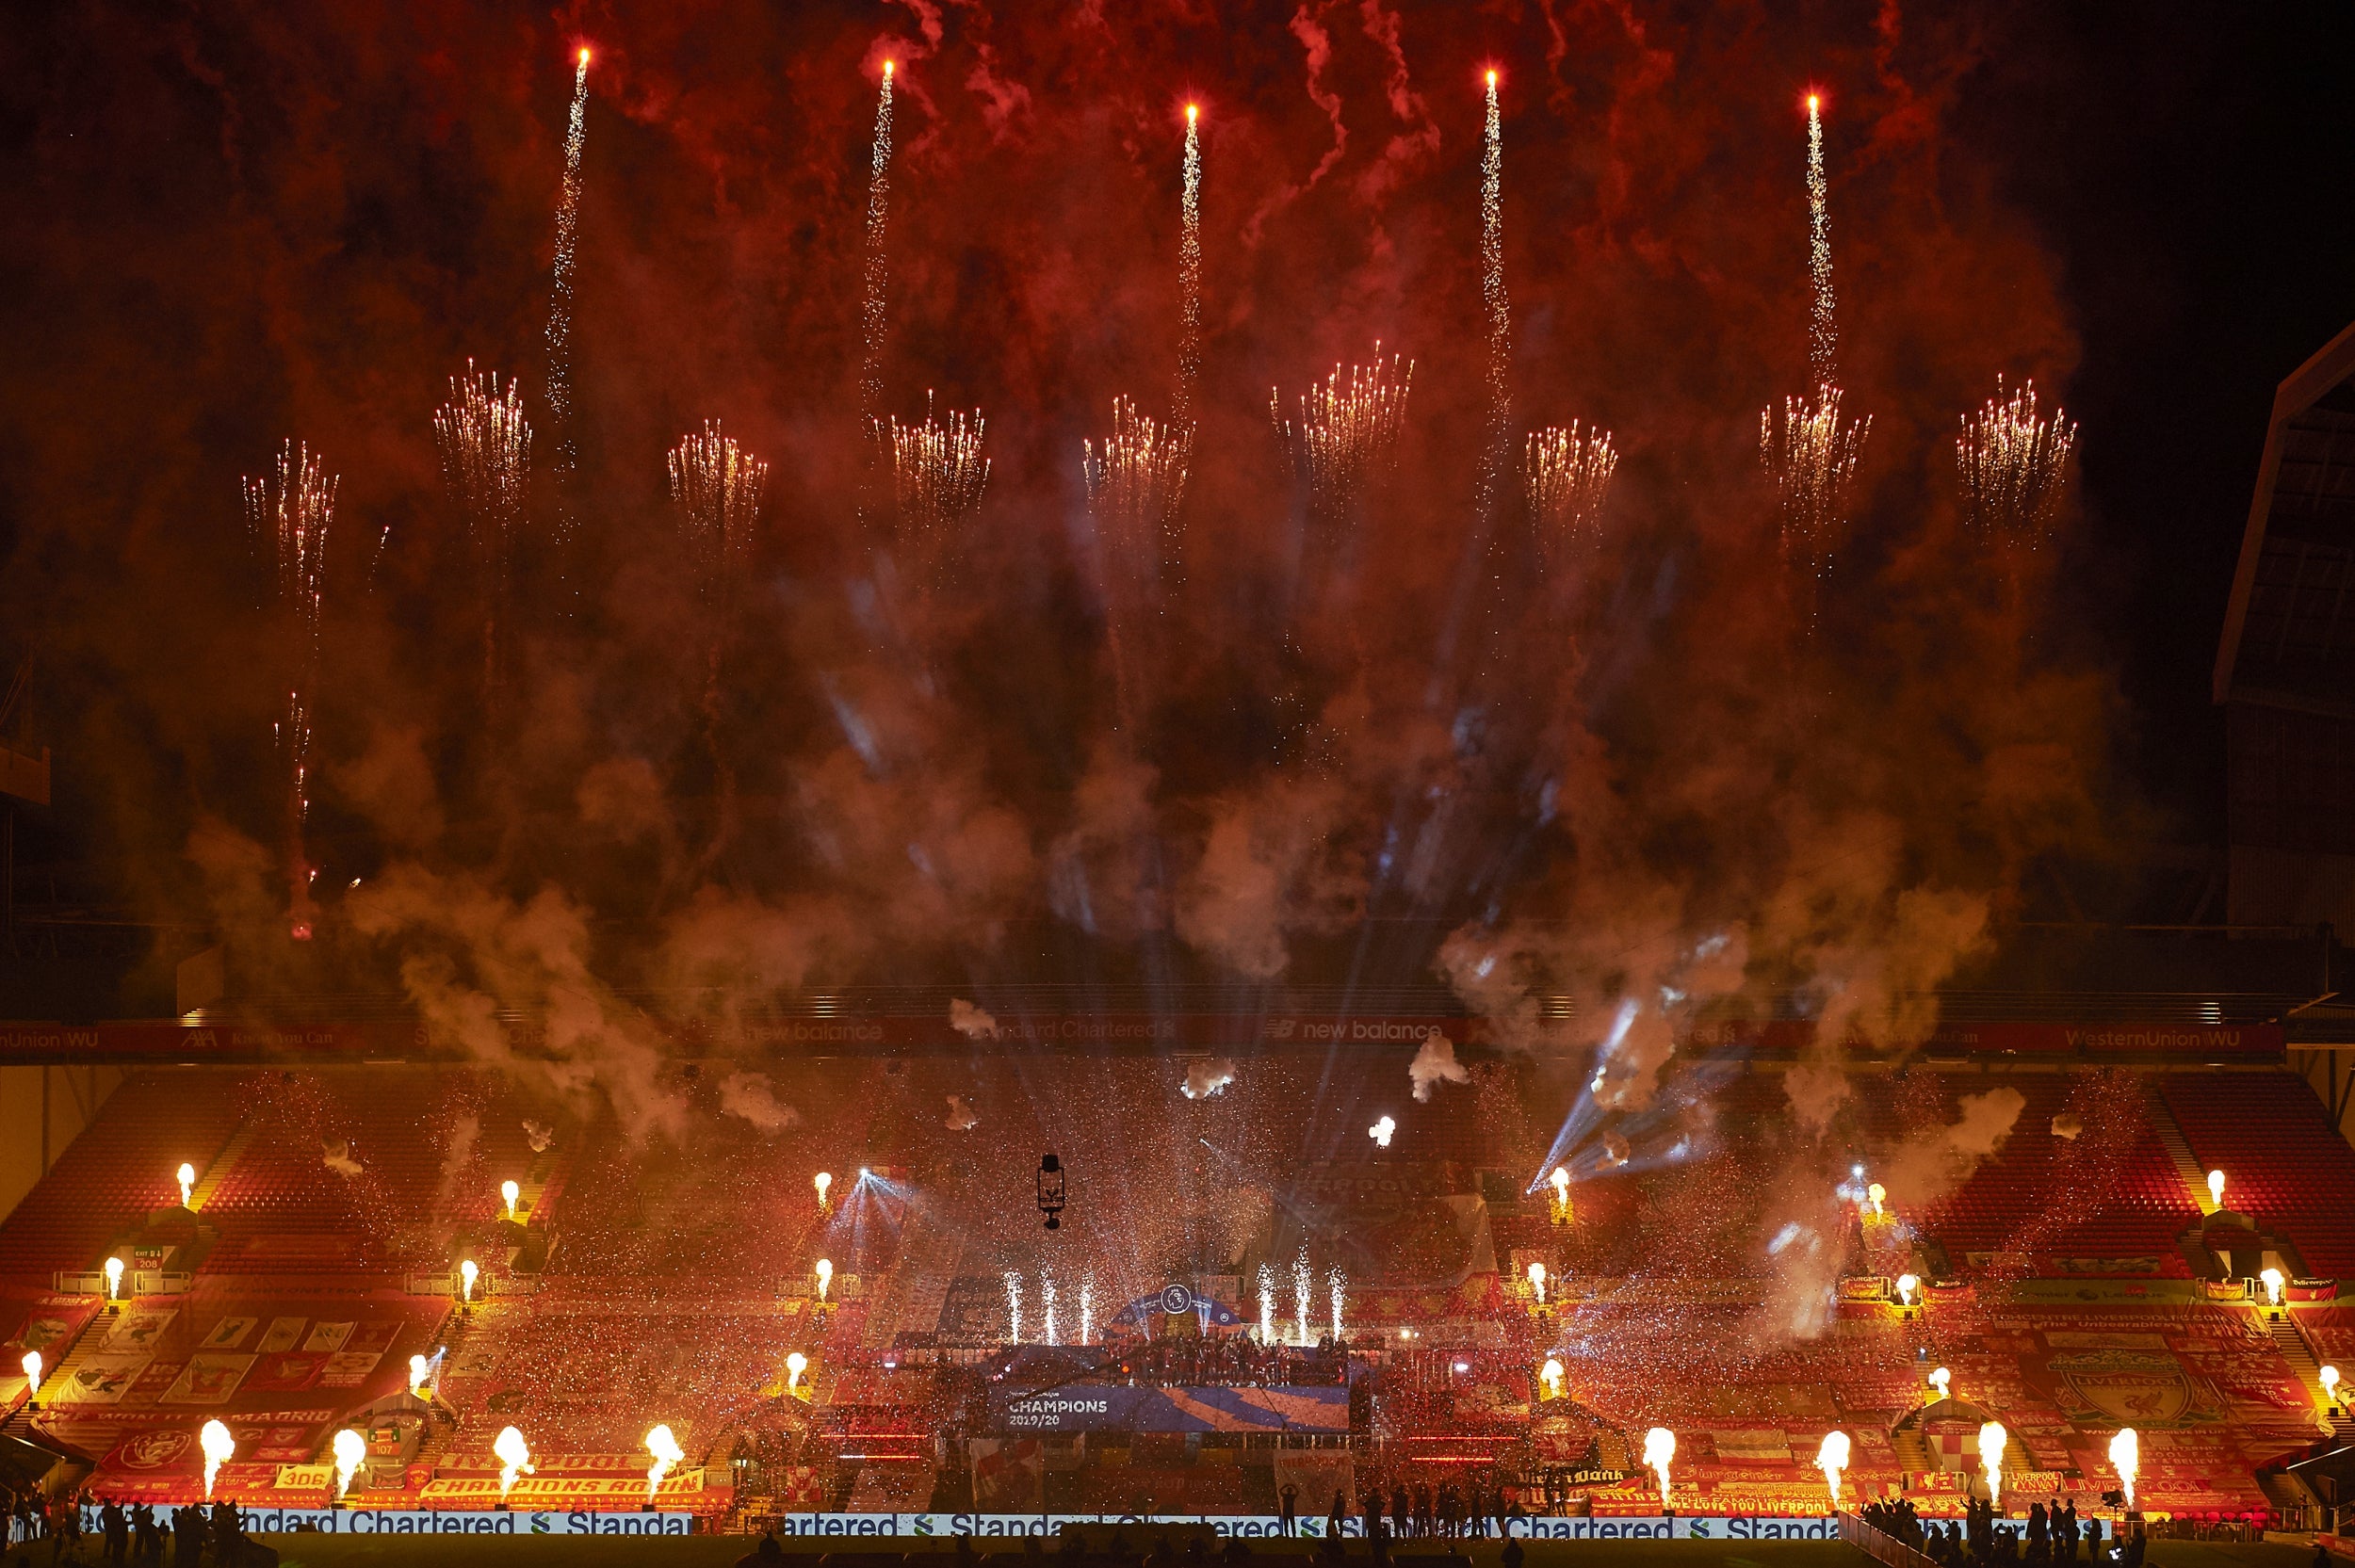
(236, 225)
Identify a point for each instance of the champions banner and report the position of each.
(1116, 1407)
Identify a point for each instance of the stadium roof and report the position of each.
(2289, 630)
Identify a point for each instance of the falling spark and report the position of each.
(187, 1175)
(1046, 1307)
(1190, 276)
(1991, 1440)
(1566, 474)
(666, 1452)
(220, 1449)
(717, 486)
(1087, 1309)
(515, 1456)
(351, 1449)
(486, 468)
(1811, 456)
(1660, 1446)
(1014, 1308)
(1822, 333)
(1345, 438)
(2012, 466)
(1136, 479)
(1831, 1459)
(560, 307)
(2126, 1458)
(938, 474)
(1303, 1283)
(1267, 1305)
(292, 512)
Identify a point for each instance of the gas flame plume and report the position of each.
(515, 1457)
(1831, 1459)
(666, 1452)
(219, 1447)
(2126, 1458)
(1660, 1446)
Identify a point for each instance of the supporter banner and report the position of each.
(383, 1521)
(165, 1041)
(1739, 1527)
(1111, 1407)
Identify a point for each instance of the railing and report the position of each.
(1879, 1545)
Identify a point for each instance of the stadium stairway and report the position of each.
(221, 1165)
(2178, 1150)
(2287, 1338)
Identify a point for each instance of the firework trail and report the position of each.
(1566, 474)
(1345, 438)
(1303, 1284)
(1499, 310)
(2012, 466)
(1811, 456)
(873, 299)
(486, 465)
(560, 318)
(939, 475)
(1190, 276)
(289, 514)
(1823, 332)
(1810, 453)
(716, 485)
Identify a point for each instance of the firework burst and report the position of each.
(1346, 436)
(1566, 474)
(1190, 275)
(716, 485)
(290, 514)
(2011, 463)
(939, 475)
(1136, 480)
(486, 463)
(1810, 456)
(561, 309)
